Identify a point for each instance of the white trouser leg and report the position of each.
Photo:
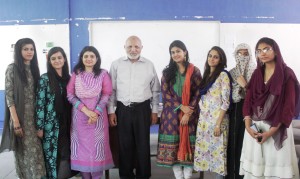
(188, 172)
(178, 172)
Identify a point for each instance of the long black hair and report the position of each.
(79, 67)
(52, 74)
(170, 71)
(207, 78)
(19, 60)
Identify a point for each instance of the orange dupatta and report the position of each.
(184, 151)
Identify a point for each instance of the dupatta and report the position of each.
(266, 101)
(184, 151)
(10, 142)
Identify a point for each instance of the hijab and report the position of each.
(267, 100)
(244, 67)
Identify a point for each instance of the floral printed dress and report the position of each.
(210, 151)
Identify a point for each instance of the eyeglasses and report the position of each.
(265, 50)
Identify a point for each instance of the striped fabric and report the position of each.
(90, 150)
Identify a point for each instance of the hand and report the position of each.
(40, 133)
(264, 136)
(92, 120)
(241, 81)
(18, 131)
(185, 119)
(187, 109)
(89, 113)
(252, 132)
(17, 128)
(248, 123)
(112, 119)
(154, 118)
(217, 131)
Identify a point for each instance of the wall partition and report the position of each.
(286, 35)
(199, 36)
(109, 38)
(44, 37)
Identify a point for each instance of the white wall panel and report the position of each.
(41, 34)
(286, 35)
(156, 36)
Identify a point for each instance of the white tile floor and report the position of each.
(7, 170)
(7, 167)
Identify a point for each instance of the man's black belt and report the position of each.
(134, 104)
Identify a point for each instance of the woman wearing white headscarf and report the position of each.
(241, 75)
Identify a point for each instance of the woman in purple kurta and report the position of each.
(172, 85)
(89, 90)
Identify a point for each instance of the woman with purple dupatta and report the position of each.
(89, 90)
(271, 103)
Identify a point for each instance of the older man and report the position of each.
(135, 90)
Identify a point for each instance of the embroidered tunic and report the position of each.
(90, 149)
(168, 139)
(30, 164)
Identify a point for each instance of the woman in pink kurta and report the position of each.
(89, 90)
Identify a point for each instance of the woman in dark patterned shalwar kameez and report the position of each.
(178, 114)
(19, 132)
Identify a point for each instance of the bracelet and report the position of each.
(17, 128)
(177, 108)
